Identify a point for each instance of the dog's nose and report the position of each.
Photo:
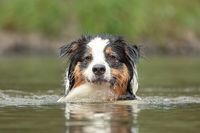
(99, 69)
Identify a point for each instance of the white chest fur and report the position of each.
(89, 92)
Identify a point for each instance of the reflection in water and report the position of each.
(101, 118)
(34, 112)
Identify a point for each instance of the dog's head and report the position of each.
(101, 59)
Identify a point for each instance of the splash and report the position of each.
(20, 98)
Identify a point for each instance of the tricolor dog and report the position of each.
(100, 67)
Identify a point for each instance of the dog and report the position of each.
(100, 67)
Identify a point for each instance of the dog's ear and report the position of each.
(69, 48)
(133, 53)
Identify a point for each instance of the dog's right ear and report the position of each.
(69, 48)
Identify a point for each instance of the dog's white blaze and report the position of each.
(97, 46)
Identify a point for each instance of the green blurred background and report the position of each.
(31, 31)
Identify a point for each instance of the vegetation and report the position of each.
(42, 16)
(153, 19)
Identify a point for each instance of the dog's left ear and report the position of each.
(133, 53)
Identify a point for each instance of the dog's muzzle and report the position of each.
(99, 74)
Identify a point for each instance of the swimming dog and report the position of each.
(100, 67)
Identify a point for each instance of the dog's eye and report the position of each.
(87, 58)
(113, 58)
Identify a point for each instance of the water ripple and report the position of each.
(20, 98)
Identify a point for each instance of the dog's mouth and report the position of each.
(98, 80)
(101, 80)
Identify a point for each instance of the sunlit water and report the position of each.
(158, 111)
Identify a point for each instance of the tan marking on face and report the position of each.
(109, 51)
(78, 76)
(122, 78)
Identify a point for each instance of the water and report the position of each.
(30, 87)
(23, 112)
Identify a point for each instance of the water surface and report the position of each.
(31, 112)
(30, 87)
